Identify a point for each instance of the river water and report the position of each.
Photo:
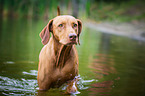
(108, 64)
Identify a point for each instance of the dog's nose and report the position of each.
(72, 36)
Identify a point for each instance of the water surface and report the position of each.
(109, 65)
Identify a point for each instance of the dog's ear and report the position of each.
(45, 33)
(79, 29)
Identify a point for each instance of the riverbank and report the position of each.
(134, 29)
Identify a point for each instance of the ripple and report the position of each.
(84, 84)
(32, 72)
(9, 62)
(23, 86)
(14, 86)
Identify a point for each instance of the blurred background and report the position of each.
(111, 54)
(120, 10)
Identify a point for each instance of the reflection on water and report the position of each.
(103, 65)
(103, 88)
(108, 64)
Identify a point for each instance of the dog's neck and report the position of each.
(62, 53)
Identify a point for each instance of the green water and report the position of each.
(109, 65)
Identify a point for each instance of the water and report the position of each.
(109, 64)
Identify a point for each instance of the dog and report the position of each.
(58, 59)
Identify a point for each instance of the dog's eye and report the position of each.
(75, 25)
(60, 25)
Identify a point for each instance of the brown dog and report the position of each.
(58, 59)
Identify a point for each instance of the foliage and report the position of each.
(117, 11)
(120, 10)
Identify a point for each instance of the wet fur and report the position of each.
(58, 59)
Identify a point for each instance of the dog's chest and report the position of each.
(64, 75)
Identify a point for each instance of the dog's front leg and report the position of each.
(72, 86)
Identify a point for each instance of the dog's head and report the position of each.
(65, 28)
